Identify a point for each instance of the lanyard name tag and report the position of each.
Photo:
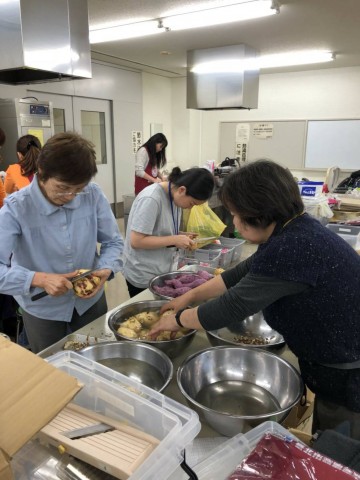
(175, 260)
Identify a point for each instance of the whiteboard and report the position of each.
(286, 145)
(333, 142)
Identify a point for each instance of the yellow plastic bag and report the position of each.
(202, 220)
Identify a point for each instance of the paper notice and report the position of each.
(263, 130)
(242, 132)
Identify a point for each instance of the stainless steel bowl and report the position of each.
(143, 363)
(171, 347)
(234, 389)
(159, 281)
(253, 327)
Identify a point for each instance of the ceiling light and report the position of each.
(244, 10)
(220, 15)
(120, 32)
(295, 58)
(265, 61)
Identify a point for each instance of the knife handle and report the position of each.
(39, 295)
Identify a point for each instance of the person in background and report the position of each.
(2, 189)
(294, 278)
(20, 175)
(153, 237)
(149, 159)
(51, 229)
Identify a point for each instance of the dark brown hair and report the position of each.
(156, 159)
(261, 193)
(29, 146)
(68, 157)
(2, 137)
(199, 182)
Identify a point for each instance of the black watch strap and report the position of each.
(177, 317)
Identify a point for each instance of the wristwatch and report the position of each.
(177, 317)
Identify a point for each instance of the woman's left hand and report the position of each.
(103, 274)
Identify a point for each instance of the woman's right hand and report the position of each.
(184, 242)
(176, 304)
(54, 284)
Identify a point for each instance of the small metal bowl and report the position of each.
(253, 327)
(142, 363)
(172, 348)
(159, 281)
(234, 389)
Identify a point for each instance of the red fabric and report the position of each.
(141, 183)
(278, 459)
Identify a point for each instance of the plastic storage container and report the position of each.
(223, 460)
(236, 245)
(310, 189)
(112, 394)
(205, 256)
(225, 256)
(350, 233)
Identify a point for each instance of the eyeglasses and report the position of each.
(69, 194)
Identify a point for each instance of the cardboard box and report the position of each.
(299, 413)
(32, 393)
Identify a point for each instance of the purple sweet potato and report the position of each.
(177, 292)
(205, 275)
(185, 279)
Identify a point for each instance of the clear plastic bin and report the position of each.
(206, 257)
(112, 394)
(350, 233)
(234, 243)
(223, 460)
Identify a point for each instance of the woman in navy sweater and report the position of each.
(304, 278)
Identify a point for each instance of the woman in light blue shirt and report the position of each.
(51, 229)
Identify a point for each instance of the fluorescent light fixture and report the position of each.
(295, 58)
(265, 61)
(120, 32)
(244, 10)
(220, 15)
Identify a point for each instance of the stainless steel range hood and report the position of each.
(44, 40)
(215, 81)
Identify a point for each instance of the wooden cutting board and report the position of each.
(118, 452)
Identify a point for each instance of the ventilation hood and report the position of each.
(44, 40)
(215, 81)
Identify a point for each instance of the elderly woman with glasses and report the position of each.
(48, 232)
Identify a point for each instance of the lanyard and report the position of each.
(176, 223)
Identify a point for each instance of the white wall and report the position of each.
(321, 94)
(124, 89)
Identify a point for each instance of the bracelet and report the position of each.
(177, 317)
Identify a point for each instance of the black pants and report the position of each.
(42, 333)
(328, 415)
(133, 291)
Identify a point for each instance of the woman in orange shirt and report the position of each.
(19, 175)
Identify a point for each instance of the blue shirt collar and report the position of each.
(43, 204)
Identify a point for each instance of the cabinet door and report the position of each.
(92, 119)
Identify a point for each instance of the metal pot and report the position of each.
(143, 363)
(171, 347)
(234, 389)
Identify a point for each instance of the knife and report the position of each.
(88, 431)
(72, 280)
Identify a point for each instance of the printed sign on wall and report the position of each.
(136, 140)
(263, 130)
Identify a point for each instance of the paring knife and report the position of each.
(88, 431)
(72, 280)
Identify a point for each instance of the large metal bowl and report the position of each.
(234, 389)
(159, 281)
(143, 363)
(171, 347)
(254, 328)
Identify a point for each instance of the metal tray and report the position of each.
(58, 346)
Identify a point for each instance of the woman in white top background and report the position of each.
(149, 159)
